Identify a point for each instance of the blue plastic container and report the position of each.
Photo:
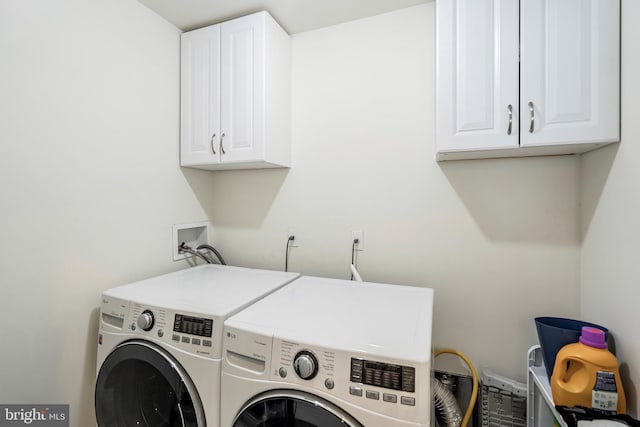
(556, 332)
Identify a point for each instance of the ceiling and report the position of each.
(294, 16)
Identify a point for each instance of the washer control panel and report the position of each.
(190, 325)
(189, 332)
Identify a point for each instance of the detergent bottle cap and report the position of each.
(593, 337)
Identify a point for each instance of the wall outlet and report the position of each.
(296, 242)
(358, 234)
(193, 235)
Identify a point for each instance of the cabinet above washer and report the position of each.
(235, 100)
(526, 78)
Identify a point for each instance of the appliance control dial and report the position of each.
(306, 365)
(145, 320)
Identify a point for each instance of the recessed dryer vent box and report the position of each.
(193, 235)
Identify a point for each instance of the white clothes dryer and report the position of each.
(325, 352)
(159, 344)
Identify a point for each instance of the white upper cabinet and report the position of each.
(236, 95)
(528, 77)
(477, 79)
(200, 96)
(570, 71)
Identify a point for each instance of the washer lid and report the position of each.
(386, 320)
(215, 290)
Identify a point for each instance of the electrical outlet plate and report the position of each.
(358, 234)
(296, 242)
(193, 235)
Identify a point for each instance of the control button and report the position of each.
(186, 339)
(405, 400)
(146, 320)
(195, 341)
(373, 395)
(133, 326)
(356, 391)
(206, 343)
(305, 365)
(328, 383)
(282, 372)
(175, 338)
(160, 333)
(389, 397)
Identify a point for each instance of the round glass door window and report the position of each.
(140, 384)
(290, 408)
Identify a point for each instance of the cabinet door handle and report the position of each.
(211, 143)
(510, 110)
(222, 143)
(532, 120)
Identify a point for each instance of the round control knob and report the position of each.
(145, 320)
(282, 372)
(305, 365)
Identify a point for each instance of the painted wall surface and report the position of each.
(498, 239)
(89, 182)
(610, 215)
(90, 186)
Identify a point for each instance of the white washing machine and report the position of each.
(324, 352)
(159, 344)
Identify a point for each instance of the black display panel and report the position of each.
(385, 375)
(193, 325)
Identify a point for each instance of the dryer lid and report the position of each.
(393, 321)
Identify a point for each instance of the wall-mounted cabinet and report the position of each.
(527, 77)
(236, 95)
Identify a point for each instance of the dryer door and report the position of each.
(283, 408)
(140, 384)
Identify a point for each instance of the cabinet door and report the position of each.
(200, 97)
(477, 75)
(242, 86)
(569, 71)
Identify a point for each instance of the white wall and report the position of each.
(497, 239)
(611, 222)
(90, 187)
(89, 182)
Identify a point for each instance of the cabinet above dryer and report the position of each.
(527, 77)
(236, 95)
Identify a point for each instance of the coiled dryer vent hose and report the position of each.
(443, 401)
(446, 404)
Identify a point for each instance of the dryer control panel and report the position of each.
(385, 375)
(395, 388)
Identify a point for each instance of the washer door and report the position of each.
(140, 384)
(289, 408)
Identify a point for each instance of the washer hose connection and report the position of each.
(206, 257)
